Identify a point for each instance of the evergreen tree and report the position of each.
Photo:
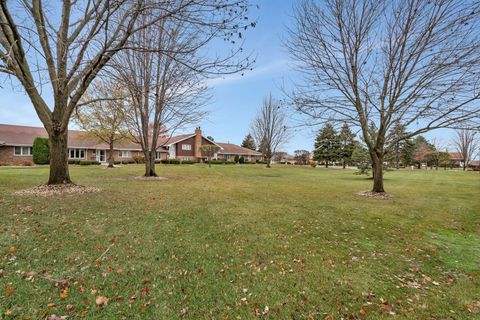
(249, 143)
(408, 152)
(346, 139)
(361, 158)
(327, 145)
(40, 151)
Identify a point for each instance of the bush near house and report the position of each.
(40, 154)
(138, 160)
(89, 163)
(83, 162)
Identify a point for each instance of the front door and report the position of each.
(101, 155)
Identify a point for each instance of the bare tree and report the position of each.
(209, 151)
(58, 50)
(269, 128)
(166, 83)
(377, 64)
(103, 115)
(466, 142)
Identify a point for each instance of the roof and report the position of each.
(474, 163)
(230, 148)
(456, 156)
(168, 141)
(13, 135)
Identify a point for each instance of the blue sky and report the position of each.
(235, 98)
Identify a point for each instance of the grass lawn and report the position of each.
(232, 242)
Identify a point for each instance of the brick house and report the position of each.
(456, 159)
(16, 147)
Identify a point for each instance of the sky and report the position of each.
(235, 98)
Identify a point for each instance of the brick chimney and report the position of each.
(198, 144)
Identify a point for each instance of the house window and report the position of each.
(124, 154)
(158, 155)
(186, 147)
(76, 153)
(23, 151)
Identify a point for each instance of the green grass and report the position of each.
(232, 242)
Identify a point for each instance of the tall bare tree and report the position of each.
(269, 127)
(166, 83)
(377, 64)
(466, 142)
(103, 116)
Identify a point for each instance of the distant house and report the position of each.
(16, 147)
(474, 165)
(283, 158)
(229, 151)
(456, 159)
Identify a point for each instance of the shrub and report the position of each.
(241, 160)
(88, 162)
(173, 161)
(138, 160)
(237, 158)
(229, 162)
(188, 161)
(40, 154)
(117, 162)
(129, 161)
(261, 162)
(313, 164)
(73, 161)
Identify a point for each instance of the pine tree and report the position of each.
(347, 143)
(249, 143)
(327, 145)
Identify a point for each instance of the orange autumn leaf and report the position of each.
(64, 293)
(9, 290)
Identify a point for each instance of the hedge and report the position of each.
(40, 153)
(88, 162)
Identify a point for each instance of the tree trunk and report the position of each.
(326, 163)
(150, 164)
(58, 150)
(269, 160)
(377, 169)
(464, 166)
(209, 162)
(110, 156)
(344, 164)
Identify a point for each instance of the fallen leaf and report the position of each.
(64, 293)
(100, 300)
(183, 312)
(9, 290)
(362, 313)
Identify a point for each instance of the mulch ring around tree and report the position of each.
(375, 195)
(143, 178)
(45, 190)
